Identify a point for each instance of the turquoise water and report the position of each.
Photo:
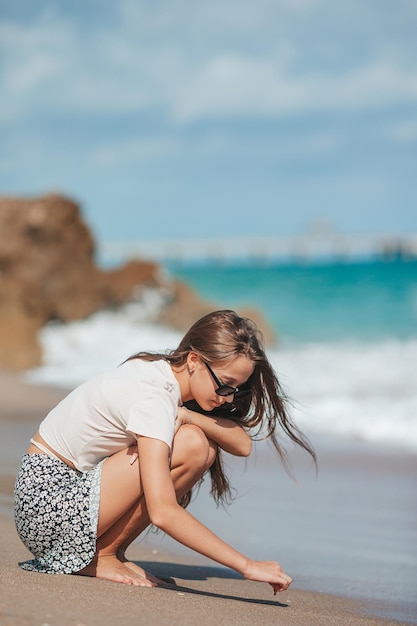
(369, 301)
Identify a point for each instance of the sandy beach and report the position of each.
(204, 593)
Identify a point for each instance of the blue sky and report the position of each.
(189, 118)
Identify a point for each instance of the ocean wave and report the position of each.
(353, 390)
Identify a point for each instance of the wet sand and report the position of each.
(205, 593)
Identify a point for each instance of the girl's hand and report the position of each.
(269, 572)
(183, 417)
(133, 457)
(226, 433)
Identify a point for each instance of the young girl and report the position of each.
(122, 452)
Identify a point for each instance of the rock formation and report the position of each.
(48, 272)
(184, 307)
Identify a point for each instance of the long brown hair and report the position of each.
(218, 338)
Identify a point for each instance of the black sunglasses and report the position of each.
(226, 390)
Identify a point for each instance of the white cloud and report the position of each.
(227, 86)
(39, 69)
(157, 60)
(130, 151)
(133, 150)
(35, 62)
(404, 132)
(203, 19)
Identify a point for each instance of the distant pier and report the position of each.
(301, 248)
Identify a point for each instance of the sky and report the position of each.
(192, 119)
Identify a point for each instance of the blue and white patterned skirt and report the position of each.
(56, 514)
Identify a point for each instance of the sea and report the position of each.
(345, 349)
(346, 354)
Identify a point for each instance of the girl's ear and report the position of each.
(192, 361)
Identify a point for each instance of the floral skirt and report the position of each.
(56, 514)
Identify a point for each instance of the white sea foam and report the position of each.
(75, 351)
(349, 390)
(352, 390)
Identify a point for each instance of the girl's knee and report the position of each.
(191, 446)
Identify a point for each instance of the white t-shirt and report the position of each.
(103, 415)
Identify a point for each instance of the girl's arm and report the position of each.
(229, 435)
(165, 513)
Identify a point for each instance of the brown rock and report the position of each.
(184, 307)
(125, 283)
(47, 271)
(47, 250)
(19, 346)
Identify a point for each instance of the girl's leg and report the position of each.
(190, 460)
(123, 514)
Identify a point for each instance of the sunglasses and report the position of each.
(227, 390)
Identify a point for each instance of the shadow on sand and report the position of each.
(171, 571)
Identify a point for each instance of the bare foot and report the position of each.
(109, 567)
(139, 570)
